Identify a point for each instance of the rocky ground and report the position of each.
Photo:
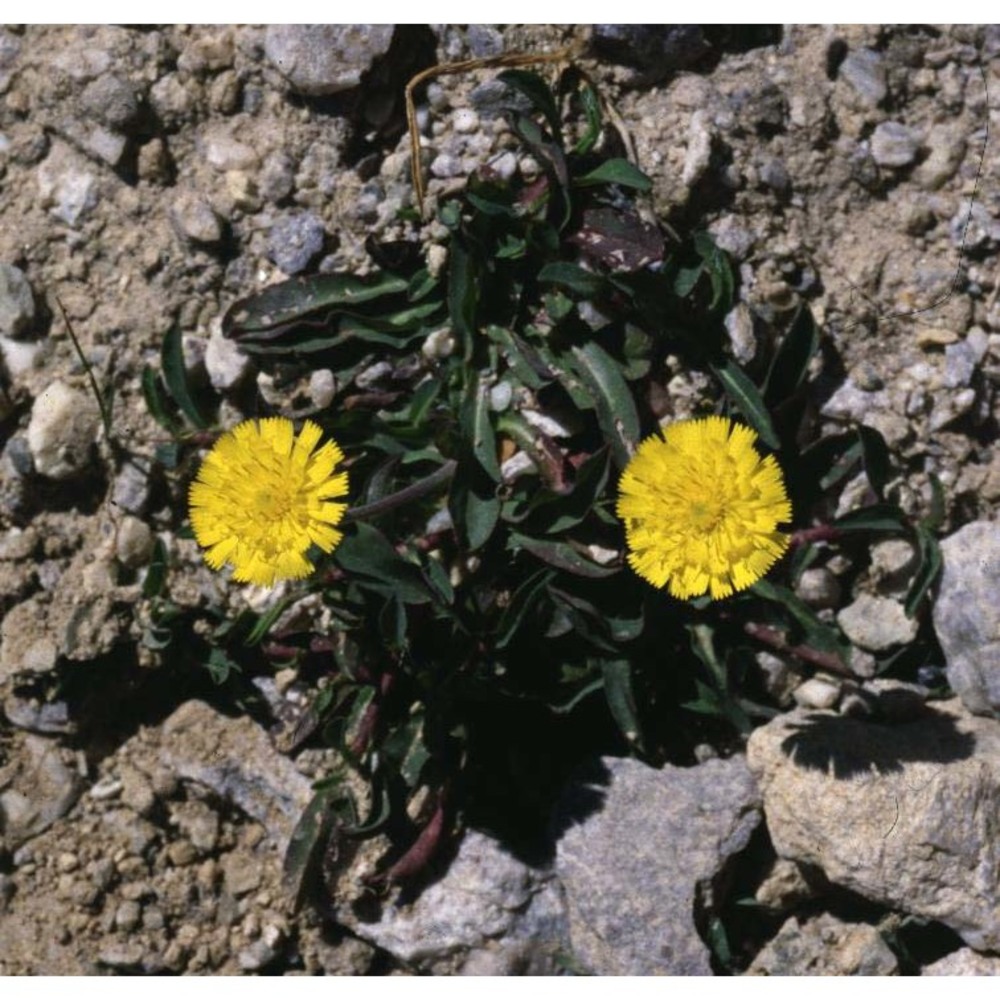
(149, 177)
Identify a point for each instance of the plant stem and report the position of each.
(415, 491)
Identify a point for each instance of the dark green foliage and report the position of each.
(486, 634)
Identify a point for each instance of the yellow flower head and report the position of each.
(701, 508)
(262, 497)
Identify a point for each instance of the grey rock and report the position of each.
(817, 693)
(894, 145)
(445, 166)
(128, 915)
(276, 179)
(484, 41)
(825, 946)
(133, 542)
(131, 489)
(864, 70)
(128, 957)
(112, 101)
(784, 886)
(66, 185)
(38, 789)
(948, 407)
(901, 814)
(893, 564)
(195, 220)
(487, 894)
(226, 364)
(10, 49)
(974, 228)
(224, 151)
(172, 101)
(960, 362)
(775, 176)
(318, 59)
(657, 49)
(964, 962)
(851, 402)
(235, 759)
(947, 150)
(49, 718)
(294, 240)
(967, 614)
(639, 847)
(17, 303)
(257, 955)
(699, 148)
(877, 623)
(62, 431)
(819, 587)
(732, 236)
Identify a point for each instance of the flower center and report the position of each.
(706, 513)
(273, 503)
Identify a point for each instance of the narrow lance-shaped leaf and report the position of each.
(175, 376)
(747, 400)
(616, 171)
(616, 412)
(791, 361)
(618, 690)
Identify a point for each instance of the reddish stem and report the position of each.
(773, 638)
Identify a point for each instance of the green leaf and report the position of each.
(686, 279)
(791, 361)
(156, 573)
(884, 517)
(935, 517)
(270, 311)
(562, 556)
(478, 427)
(592, 112)
(875, 456)
(565, 707)
(617, 675)
(220, 665)
(368, 554)
(463, 294)
(303, 856)
(172, 363)
(927, 572)
(156, 400)
(817, 633)
(719, 271)
(538, 93)
(266, 620)
(616, 171)
(523, 600)
(616, 412)
(747, 400)
(475, 509)
(572, 277)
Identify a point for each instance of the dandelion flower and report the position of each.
(263, 497)
(701, 509)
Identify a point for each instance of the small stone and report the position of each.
(739, 326)
(112, 101)
(17, 303)
(182, 853)
(107, 788)
(276, 179)
(199, 823)
(894, 145)
(133, 542)
(131, 489)
(257, 956)
(484, 42)
(960, 361)
(817, 693)
(877, 623)
(226, 364)
(864, 70)
(63, 428)
(819, 587)
(322, 387)
(172, 101)
(947, 150)
(439, 344)
(66, 185)
(153, 919)
(67, 862)
(122, 956)
(137, 793)
(154, 161)
(210, 52)
(127, 916)
(948, 407)
(195, 220)
(893, 562)
(242, 874)
(699, 148)
(465, 120)
(445, 166)
(224, 152)
(320, 59)
(294, 240)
